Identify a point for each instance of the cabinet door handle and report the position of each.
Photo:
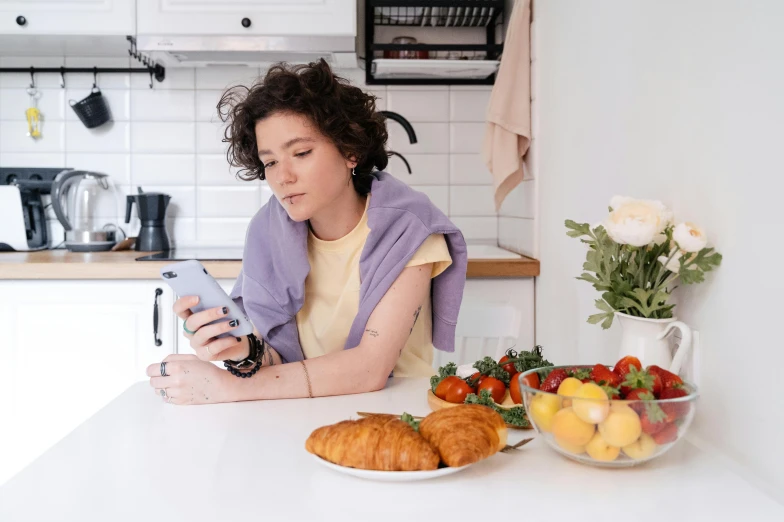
(158, 342)
(21, 20)
(246, 22)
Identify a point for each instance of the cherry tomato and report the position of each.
(514, 389)
(458, 391)
(510, 368)
(497, 388)
(444, 385)
(531, 380)
(476, 379)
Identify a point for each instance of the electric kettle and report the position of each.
(86, 204)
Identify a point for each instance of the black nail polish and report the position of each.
(225, 310)
(233, 323)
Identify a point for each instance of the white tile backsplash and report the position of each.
(14, 138)
(40, 159)
(227, 201)
(420, 106)
(221, 231)
(118, 101)
(117, 166)
(161, 137)
(466, 137)
(176, 78)
(162, 105)
(208, 138)
(110, 137)
(471, 200)
(207, 105)
(14, 103)
(105, 81)
(165, 169)
(468, 169)
(168, 139)
(468, 106)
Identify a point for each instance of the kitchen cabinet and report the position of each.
(248, 17)
(68, 17)
(67, 349)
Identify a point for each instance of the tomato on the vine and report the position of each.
(458, 391)
(497, 388)
(444, 385)
(509, 367)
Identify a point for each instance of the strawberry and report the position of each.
(669, 379)
(639, 394)
(553, 380)
(612, 393)
(637, 379)
(666, 435)
(602, 375)
(622, 367)
(676, 409)
(581, 374)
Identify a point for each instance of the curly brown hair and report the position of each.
(343, 113)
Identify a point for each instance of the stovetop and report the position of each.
(202, 254)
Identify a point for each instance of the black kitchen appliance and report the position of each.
(151, 208)
(22, 211)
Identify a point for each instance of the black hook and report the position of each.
(151, 71)
(62, 77)
(32, 77)
(95, 77)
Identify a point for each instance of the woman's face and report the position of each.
(304, 169)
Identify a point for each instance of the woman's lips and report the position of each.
(293, 199)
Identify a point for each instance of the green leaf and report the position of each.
(407, 418)
(577, 229)
(601, 304)
(596, 318)
(608, 322)
(646, 301)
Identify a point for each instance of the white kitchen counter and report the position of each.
(140, 459)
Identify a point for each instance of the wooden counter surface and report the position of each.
(61, 264)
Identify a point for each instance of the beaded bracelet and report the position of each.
(257, 348)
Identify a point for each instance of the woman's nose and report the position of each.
(285, 175)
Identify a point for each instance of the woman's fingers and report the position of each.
(183, 305)
(214, 351)
(196, 321)
(206, 333)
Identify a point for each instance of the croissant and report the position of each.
(379, 442)
(464, 434)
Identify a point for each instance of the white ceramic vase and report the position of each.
(647, 340)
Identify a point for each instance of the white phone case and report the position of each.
(191, 278)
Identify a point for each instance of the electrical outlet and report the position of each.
(691, 366)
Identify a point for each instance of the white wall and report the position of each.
(683, 101)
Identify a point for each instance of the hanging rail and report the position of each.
(157, 71)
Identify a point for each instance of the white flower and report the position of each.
(636, 222)
(690, 237)
(465, 371)
(674, 264)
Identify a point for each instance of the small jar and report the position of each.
(405, 54)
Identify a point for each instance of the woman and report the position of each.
(348, 275)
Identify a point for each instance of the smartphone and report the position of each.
(191, 278)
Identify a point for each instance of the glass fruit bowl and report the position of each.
(583, 425)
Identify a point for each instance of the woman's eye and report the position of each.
(304, 153)
(268, 165)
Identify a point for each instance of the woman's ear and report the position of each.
(351, 162)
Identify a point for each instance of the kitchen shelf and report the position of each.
(447, 63)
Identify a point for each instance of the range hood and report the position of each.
(207, 50)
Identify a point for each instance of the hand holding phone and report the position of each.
(216, 321)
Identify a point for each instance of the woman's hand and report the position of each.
(203, 342)
(189, 380)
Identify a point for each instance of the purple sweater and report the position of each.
(271, 285)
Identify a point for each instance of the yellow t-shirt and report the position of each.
(332, 298)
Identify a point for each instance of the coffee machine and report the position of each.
(22, 211)
(151, 207)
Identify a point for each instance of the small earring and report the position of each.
(353, 172)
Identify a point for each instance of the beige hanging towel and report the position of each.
(508, 128)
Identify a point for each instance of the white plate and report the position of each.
(390, 476)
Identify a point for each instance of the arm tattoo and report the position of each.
(416, 316)
(270, 360)
(372, 333)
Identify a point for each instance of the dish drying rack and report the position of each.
(447, 63)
